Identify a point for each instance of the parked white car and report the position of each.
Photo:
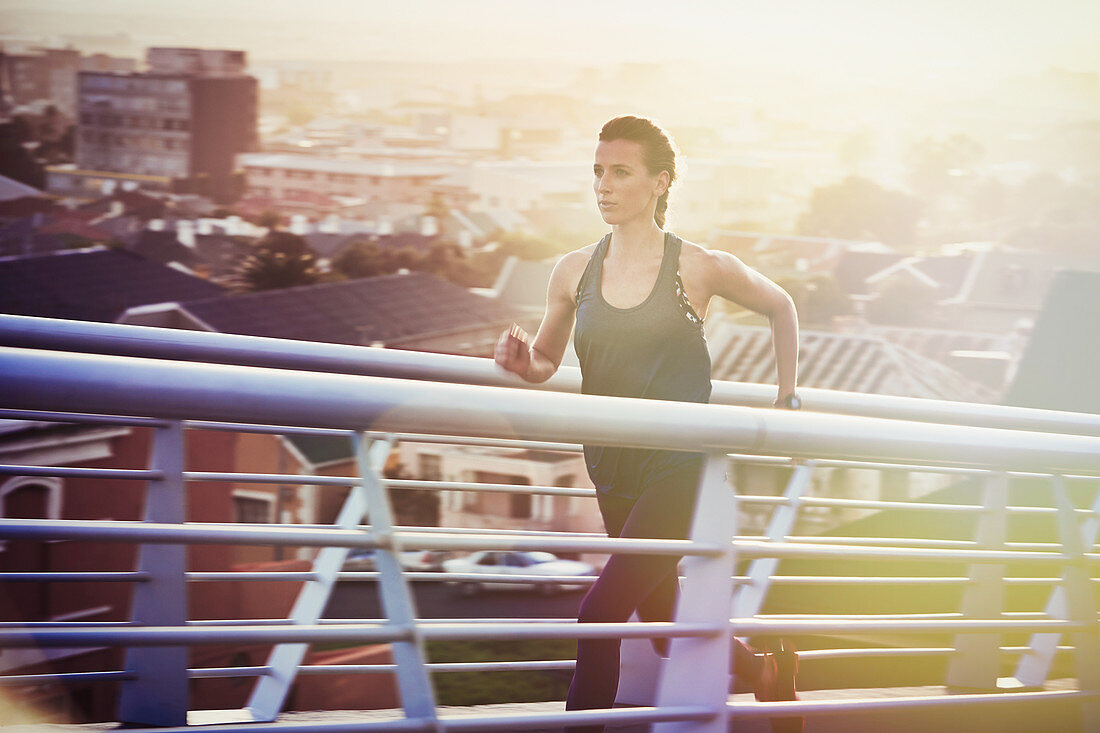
(498, 562)
(366, 559)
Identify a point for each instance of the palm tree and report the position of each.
(280, 260)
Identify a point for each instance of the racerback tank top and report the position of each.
(654, 350)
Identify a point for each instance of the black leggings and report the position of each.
(647, 584)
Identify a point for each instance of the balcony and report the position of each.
(989, 660)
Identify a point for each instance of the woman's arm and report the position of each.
(730, 278)
(538, 361)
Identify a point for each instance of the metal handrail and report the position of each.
(224, 348)
(136, 380)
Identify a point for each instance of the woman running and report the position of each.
(638, 298)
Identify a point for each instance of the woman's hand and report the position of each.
(512, 352)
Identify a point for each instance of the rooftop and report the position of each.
(840, 361)
(95, 284)
(388, 309)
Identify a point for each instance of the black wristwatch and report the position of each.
(790, 402)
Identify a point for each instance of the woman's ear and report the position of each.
(662, 183)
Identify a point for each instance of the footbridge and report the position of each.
(991, 657)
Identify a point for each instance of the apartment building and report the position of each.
(314, 183)
(177, 126)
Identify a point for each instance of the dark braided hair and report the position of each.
(658, 151)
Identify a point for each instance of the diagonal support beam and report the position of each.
(1034, 667)
(271, 691)
(413, 681)
(749, 598)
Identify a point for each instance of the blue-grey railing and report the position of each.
(173, 380)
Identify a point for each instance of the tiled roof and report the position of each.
(939, 343)
(772, 251)
(839, 361)
(26, 206)
(945, 275)
(92, 284)
(20, 238)
(162, 247)
(389, 309)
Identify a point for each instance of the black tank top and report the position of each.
(655, 350)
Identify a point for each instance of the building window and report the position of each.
(431, 467)
(253, 510)
(519, 506)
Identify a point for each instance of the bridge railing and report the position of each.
(171, 381)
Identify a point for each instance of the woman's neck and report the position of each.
(638, 237)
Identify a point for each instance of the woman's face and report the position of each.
(625, 189)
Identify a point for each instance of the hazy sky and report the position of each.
(881, 36)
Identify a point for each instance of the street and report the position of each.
(434, 599)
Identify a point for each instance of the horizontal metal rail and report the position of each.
(244, 534)
(80, 418)
(847, 552)
(816, 708)
(199, 533)
(791, 627)
(345, 632)
(9, 469)
(174, 344)
(174, 390)
(16, 680)
(805, 656)
(119, 576)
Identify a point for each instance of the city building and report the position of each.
(177, 126)
(311, 183)
(50, 74)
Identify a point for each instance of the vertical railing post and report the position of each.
(1034, 666)
(413, 680)
(271, 690)
(748, 599)
(976, 661)
(156, 693)
(697, 671)
(1080, 606)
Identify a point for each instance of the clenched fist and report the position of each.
(512, 352)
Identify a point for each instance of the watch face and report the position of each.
(794, 402)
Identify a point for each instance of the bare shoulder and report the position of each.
(567, 272)
(702, 262)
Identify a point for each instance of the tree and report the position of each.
(859, 208)
(16, 162)
(363, 258)
(280, 260)
(270, 219)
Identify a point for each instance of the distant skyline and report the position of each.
(881, 38)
